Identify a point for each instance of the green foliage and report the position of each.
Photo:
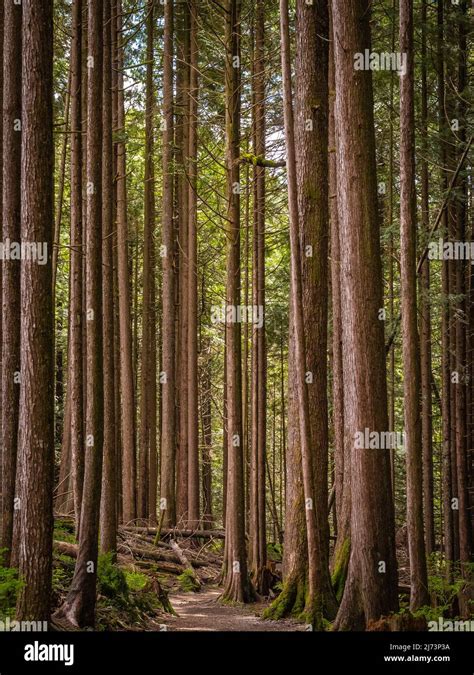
(275, 551)
(136, 581)
(64, 531)
(111, 580)
(10, 585)
(187, 582)
(445, 582)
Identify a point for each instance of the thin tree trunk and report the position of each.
(127, 412)
(79, 605)
(192, 301)
(168, 378)
(465, 533)
(425, 351)
(448, 534)
(11, 301)
(237, 583)
(411, 354)
(108, 509)
(148, 349)
(340, 560)
(76, 355)
(259, 393)
(182, 214)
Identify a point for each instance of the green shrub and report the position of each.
(111, 580)
(10, 585)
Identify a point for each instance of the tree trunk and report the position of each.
(259, 385)
(448, 534)
(425, 351)
(319, 600)
(182, 215)
(125, 320)
(11, 302)
(237, 584)
(411, 354)
(36, 437)
(79, 605)
(108, 510)
(371, 587)
(192, 301)
(168, 379)
(342, 457)
(147, 484)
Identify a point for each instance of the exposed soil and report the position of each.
(202, 612)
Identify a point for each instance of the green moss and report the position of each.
(290, 602)
(341, 564)
(10, 586)
(188, 582)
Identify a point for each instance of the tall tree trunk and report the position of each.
(168, 374)
(259, 385)
(150, 219)
(11, 301)
(371, 586)
(192, 301)
(148, 457)
(425, 342)
(1, 211)
(448, 534)
(127, 412)
(75, 384)
(340, 560)
(411, 354)
(182, 215)
(319, 601)
(237, 583)
(79, 605)
(465, 533)
(36, 438)
(108, 509)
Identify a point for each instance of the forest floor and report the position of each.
(202, 611)
(155, 586)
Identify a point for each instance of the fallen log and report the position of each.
(185, 534)
(66, 548)
(187, 565)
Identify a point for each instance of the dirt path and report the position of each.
(202, 612)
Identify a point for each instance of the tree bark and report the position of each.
(192, 301)
(425, 351)
(79, 605)
(411, 352)
(108, 508)
(36, 437)
(237, 585)
(168, 378)
(371, 587)
(11, 300)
